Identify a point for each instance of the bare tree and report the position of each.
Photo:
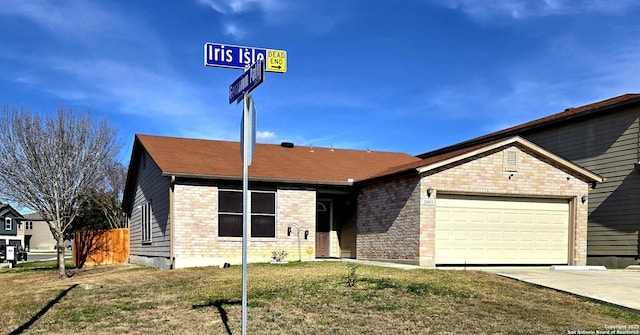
(109, 197)
(52, 163)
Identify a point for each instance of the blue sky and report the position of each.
(409, 76)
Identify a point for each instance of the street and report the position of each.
(40, 256)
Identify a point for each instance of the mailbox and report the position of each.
(11, 253)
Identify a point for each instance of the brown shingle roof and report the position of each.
(567, 115)
(412, 166)
(222, 159)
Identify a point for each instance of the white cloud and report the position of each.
(69, 19)
(266, 136)
(99, 63)
(95, 64)
(519, 9)
(234, 31)
(317, 17)
(242, 6)
(138, 90)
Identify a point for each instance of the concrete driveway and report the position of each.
(618, 287)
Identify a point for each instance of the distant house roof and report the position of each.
(7, 209)
(33, 216)
(567, 115)
(211, 159)
(458, 155)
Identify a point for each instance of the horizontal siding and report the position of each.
(607, 145)
(577, 142)
(151, 186)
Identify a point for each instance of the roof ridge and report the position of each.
(296, 146)
(569, 112)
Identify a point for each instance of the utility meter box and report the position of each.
(11, 253)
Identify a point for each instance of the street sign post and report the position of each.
(238, 57)
(247, 144)
(248, 130)
(249, 80)
(254, 61)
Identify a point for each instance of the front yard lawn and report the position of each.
(296, 298)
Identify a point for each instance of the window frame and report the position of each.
(8, 224)
(146, 227)
(251, 213)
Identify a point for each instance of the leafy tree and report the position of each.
(53, 163)
(90, 217)
(109, 197)
(103, 209)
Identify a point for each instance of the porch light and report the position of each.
(584, 198)
(429, 192)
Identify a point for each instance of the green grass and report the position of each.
(36, 265)
(296, 298)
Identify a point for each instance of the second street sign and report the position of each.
(249, 80)
(238, 57)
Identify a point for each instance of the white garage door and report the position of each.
(491, 230)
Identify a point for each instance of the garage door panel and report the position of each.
(478, 235)
(490, 230)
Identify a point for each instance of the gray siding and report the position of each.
(150, 186)
(609, 146)
(14, 226)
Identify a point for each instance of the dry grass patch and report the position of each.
(298, 298)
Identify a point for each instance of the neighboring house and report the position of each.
(502, 202)
(38, 236)
(603, 137)
(11, 230)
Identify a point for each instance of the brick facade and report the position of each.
(391, 211)
(388, 226)
(196, 228)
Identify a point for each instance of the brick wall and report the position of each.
(395, 224)
(388, 220)
(196, 228)
(296, 206)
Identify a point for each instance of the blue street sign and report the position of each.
(239, 57)
(249, 80)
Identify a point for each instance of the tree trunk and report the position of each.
(62, 272)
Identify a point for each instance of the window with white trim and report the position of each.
(262, 217)
(8, 224)
(28, 225)
(145, 220)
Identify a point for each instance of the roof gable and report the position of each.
(452, 157)
(6, 210)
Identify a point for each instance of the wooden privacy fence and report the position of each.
(101, 247)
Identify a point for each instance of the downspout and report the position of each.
(637, 165)
(171, 223)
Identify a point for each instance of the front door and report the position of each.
(27, 242)
(323, 228)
